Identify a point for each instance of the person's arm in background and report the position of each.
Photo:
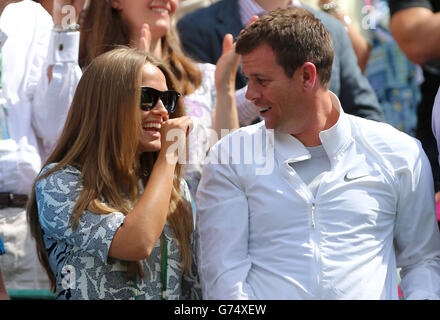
(225, 114)
(54, 91)
(417, 32)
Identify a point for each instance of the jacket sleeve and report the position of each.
(52, 99)
(416, 234)
(222, 232)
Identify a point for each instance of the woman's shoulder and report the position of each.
(67, 169)
(63, 175)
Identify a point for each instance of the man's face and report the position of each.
(278, 96)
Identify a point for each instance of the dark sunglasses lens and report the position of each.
(149, 98)
(169, 99)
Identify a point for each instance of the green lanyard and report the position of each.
(163, 270)
(164, 264)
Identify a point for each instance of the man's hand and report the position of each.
(172, 130)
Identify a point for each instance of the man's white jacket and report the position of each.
(261, 234)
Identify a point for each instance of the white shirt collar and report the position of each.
(249, 8)
(334, 140)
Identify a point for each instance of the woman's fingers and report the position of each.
(145, 38)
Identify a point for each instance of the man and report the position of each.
(347, 202)
(203, 30)
(415, 25)
(36, 57)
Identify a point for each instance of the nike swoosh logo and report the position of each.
(347, 179)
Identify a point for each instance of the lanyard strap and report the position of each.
(164, 264)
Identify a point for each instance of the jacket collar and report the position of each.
(334, 140)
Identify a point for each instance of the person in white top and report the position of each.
(436, 119)
(316, 203)
(36, 74)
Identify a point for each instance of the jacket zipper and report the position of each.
(317, 251)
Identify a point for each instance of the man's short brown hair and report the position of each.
(296, 36)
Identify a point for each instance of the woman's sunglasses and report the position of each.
(150, 97)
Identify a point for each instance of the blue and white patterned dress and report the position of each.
(79, 258)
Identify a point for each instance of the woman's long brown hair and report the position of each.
(102, 28)
(100, 139)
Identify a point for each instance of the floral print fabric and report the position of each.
(79, 258)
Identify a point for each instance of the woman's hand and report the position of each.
(174, 134)
(227, 66)
(145, 38)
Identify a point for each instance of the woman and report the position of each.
(208, 92)
(109, 211)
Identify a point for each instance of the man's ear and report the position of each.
(309, 75)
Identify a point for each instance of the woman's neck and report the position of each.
(156, 48)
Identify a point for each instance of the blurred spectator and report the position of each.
(360, 45)
(393, 77)
(32, 113)
(186, 6)
(415, 25)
